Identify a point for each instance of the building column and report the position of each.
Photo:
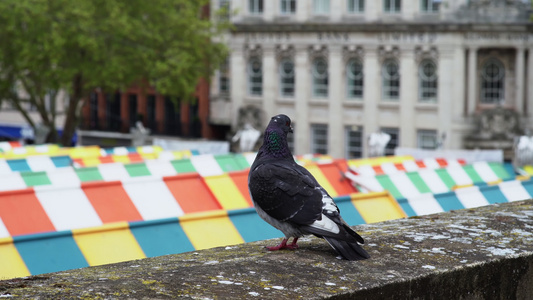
(408, 97)
(301, 95)
(238, 82)
(472, 81)
(270, 80)
(529, 98)
(371, 94)
(336, 141)
(445, 95)
(519, 77)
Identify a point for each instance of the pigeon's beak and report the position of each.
(290, 129)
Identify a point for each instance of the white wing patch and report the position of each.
(327, 202)
(326, 224)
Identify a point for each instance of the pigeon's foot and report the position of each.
(283, 245)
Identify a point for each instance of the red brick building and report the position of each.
(119, 111)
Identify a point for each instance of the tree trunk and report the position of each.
(72, 117)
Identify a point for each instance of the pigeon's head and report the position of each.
(281, 121)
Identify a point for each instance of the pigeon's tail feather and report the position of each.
(357, 237)
(348, 250)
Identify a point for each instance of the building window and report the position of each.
(223, 78)
(492, 82)
(321, 7)
(391, 80)
(392, 6)
(255, 6)
(427, 81)
(430, 6)
(290, 138)
(320, 78)
(319, 139)
(288, 7)
(225, 6)
(151, 121)
(394, 141)
(354, 142)
(255, 77)
(354, 78)
(356, 6)
(427, 139)
(286, 74)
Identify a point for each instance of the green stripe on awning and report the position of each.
(388, 185)
(500, 171)
(418, 182)
(35, 178)
(137, 169)
(183, 166)
(446, 178)
(89, 174)
(472, 173)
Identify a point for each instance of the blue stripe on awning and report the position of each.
(161, 237)
(50, 252)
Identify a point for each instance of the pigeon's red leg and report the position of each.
(293, 245)
(282, 245)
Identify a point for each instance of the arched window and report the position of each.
(286, 76)
(391, 80)
(354, 78)
(427, 81)
(320, 78)
(255, 77)
(492, 82)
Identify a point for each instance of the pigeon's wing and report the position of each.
(285, 194)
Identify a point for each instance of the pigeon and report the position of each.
(288, 197)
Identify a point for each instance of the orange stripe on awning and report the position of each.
(241, 181)
(22, 213)
(111, 202)
(191, 192)
(336, 178)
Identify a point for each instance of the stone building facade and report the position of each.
(420, 70)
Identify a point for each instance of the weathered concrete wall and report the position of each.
(483, 253)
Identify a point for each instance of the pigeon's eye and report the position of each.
(287, 123)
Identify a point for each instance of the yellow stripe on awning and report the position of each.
(377, 207)
(11, 264)
(108, 244)
(121, 159)
(226, 192)
(376, 161)
(210, 229)
(322, 180)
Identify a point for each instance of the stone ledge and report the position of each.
(477, 253)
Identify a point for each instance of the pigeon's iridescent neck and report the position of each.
(275, 144)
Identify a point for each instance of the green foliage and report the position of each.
(80, 45)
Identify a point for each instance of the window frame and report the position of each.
(394, 141)
(287, 7)
(321, 7)
(430, 6)
(390, 84)
(255, 79)
(392, 6)
(320, 81)
(349, 148)
(255, 7)
(427, 85)
(421, 134)
(494, 85)
(355, 6)
(286, 80)
(354, 82)
(319, 148)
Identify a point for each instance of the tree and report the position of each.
(80, 45)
